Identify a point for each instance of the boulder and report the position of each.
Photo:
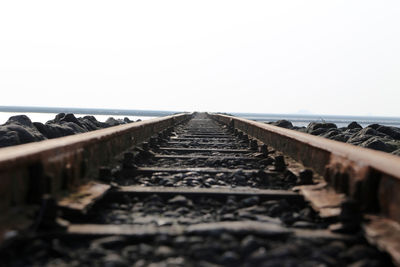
(354, 125)
(75, 127)
(9, 138)
(92, 121)
(112, 122)
(57, 119)
(127, 120)
(21, 120)
(20, 129)
(331, 133)
(341, 137)
(319, 131)
(23, 127)
(52, 130)
(393, 132)
(377, 144)
(363, 135)
(71, 118)
(317, 125)
(317, 128)
(283, 123)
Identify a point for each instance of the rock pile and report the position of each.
(20, 129)
(374, 136)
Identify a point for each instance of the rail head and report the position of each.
(370, 176)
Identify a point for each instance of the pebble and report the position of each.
(249, 244)
(358, 252)
(180, 200)
(109, 242)
(250, 201)
(229, 258)
(333, 248)
(259, 255)
(114, 260)
(163, 252)
(303, 224)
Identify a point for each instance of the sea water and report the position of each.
(297, 120)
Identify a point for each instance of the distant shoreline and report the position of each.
(94, 111)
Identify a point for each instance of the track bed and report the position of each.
(196, 195)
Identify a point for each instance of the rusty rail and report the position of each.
(53, 166)
(370, 177)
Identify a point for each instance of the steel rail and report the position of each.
(370, 177)
(52, 166)
(349, 169)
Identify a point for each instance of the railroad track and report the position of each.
(197, 190)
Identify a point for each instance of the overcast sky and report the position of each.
(323, 57)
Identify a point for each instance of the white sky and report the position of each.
(325, 57)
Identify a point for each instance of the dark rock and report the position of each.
(334, 248)
(279, 163)
(25, 134)
(288, 217)
(70, 118)
(393, 132)
(374, 126)
(303, 224)
(359, 252)
(75, 127)
(112, 122)
(363, 135)
(180, 200)
(140, 263)
(229, 258)
(90, 123)
(284, 251)
(324, 259)
(109, 242)
(250, 201)
(277, 207)
(114, 260)
(283, 123)
(53, 130)
(306, 177)
(57, 118)
(163, 252)
(9, 138)
(376, 144)
(127, 120)
(354, 125)
(371, 131)
(21, 120)
(341, 138)
(313, 126)
(306, 214)
(290, 177)
(259, 255)
(331, 133)
(249, 244)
